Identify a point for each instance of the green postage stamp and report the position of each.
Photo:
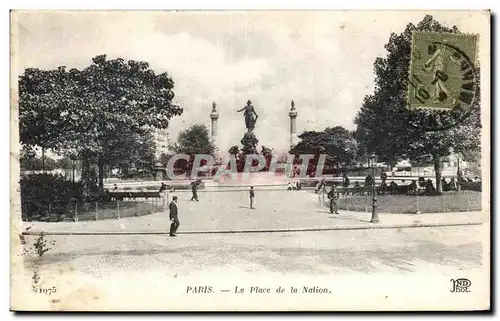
(442, 71)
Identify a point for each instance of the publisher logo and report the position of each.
(460, 285)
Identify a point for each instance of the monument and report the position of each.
(249, 139)
(214, 115)
(293, 125)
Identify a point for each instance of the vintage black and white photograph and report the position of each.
(250, 160)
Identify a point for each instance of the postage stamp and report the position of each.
(249, 161)
(442, 71)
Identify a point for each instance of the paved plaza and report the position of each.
(275, 210)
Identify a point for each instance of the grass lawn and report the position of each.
(448, 202)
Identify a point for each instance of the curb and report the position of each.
(371, 226)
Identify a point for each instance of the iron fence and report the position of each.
(91, 211)
(453, 201)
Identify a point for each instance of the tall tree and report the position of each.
(91, 106)
(381, 127)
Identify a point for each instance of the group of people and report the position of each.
(294, 186)
(451, 186)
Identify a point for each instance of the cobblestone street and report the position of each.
(366, 251)
(152, 266)
(147, 269)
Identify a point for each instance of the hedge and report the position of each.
(41, 190)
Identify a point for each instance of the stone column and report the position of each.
(293, 125)
(214, 115)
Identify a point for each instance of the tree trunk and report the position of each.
(73, 163)
(43, 160)
(437, 169)
(100, 165)
(86, 172)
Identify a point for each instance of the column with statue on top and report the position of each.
(293, 125)
(214, 115)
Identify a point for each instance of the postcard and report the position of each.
(250, 160)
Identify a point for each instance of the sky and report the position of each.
(323, 60)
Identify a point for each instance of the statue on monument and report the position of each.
(250, 116)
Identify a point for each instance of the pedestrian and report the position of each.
(323, 191)
(252, 196)
(174, 216)
(194, 189)
(332, 195)
(383, 177)
(453, 185)
(345, 180)
(345, 184)
(163, 194)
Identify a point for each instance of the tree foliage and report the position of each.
(83, 113)
(337, 143)
(164, 159)
(381, 125)
(194, 140)
(35, 164)
(130, 150)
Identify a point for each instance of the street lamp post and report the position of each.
(375, 219)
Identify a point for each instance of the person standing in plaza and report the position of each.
(163, 194)
(332, 195)
(345, 183)
(252, 196)
(383, 176)
(174, 216)
(194, 189)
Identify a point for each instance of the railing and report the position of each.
(92, 211)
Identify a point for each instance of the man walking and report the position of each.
(252, 196)
(194, 189)
(345, 184)
(332, 195)
(174, 216)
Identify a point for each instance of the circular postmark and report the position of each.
(442, 89)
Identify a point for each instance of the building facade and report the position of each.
(162, 142)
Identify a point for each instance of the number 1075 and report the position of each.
(47, 291)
